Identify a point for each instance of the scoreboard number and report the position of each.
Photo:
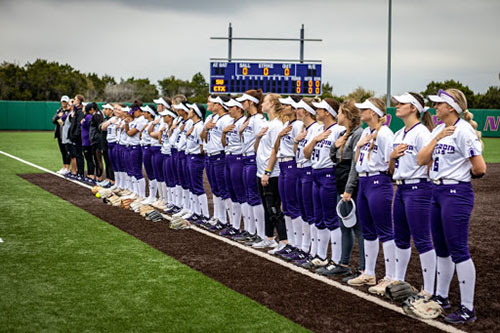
(266, 71)
(287, 71)
(244, 71)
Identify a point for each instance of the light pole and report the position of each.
(389, 55)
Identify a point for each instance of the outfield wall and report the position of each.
(24, 115)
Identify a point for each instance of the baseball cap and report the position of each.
(65, 99)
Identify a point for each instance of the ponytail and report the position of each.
(469, 117)
(352, 113)
(426, 119)
(380, 123)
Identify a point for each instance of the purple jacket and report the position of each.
(85, 130)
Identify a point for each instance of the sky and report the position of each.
(432, 40)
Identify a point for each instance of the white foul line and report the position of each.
(376, 300)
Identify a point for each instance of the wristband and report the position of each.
(267, 172)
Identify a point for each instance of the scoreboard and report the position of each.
(279, 78)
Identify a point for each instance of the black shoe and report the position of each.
(252, 240)
(242, 237)
(353, 276)
(328, 269)
(461, 316)
(341, 271)
(217, 227)
(444, 302)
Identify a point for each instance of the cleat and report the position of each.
(379, 289)
(461, 316)
(443, 301)
(361, 280)
(265, 243)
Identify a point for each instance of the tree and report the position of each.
(360, 94)
(172, 86)
(200, 88)
(490, 99)
(13, 82)
(326, 90)
(433, 88)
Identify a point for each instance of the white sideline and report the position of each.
(434, 323)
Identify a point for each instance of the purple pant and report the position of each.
(210, 172)
(195, 165)
(217, 169)
(135, 161)
(250, 181)
(182, 171)
(111, 148)
(450, 213)
(125, 156)
(375, 207)
(117, 157)
(175, 159)
(169, 170)
(233, 173)
(157, 162)
(324, 196)
(287, 184)
(147, 159)
(304, 192)
(412, 216)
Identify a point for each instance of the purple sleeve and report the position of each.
(86, 121)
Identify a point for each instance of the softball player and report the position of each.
(324, 187)
(86, 145)
(454, 156)
(306, 114)
(287, 181)
(109, 126)
(147, 152)
(252, 209)
(168, 161)
(233, 171)
(121, 153)
(412, 203)
(216, 156)
(59, 134)
(375, 194)
(107, 110)
(346, 178)
(268, 172)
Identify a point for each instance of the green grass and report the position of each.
(62, 269)
(491, 150)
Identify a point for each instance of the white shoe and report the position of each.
(379, 289)
(265, 243)
(187, 215)
(148, 201)
(279, 247)
(179, 214)
(61, 171)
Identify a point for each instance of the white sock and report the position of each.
(215, 201)
(314, 240)
(129, 184)
(203, 201)
(402, 260)
(196, 205)
(289, 230)
(371, 254)
(153, 187)
(192, 202)
(222, 211)
(445, 270)
(244, 213)
(297, 231)
(323, 240)
(142, 187)
(428, 264)
(251, 224)
(389, 248)
(135, 185)
(466, 273)
(336, 240)
(229, 210)
(118, 181)
(260, 220)
(179, 194)
(236, 215)
(306, 236)
(164, 192)
(186, 200)
(171, 195)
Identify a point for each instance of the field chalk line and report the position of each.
(376, 300)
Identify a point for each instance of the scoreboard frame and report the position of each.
(279, 78)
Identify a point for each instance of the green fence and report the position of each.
(21, 115)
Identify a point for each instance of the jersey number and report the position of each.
(435, 167)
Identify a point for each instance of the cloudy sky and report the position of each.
(432, 39)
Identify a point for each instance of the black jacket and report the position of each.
(95, 129)
(75, 130)
(55, 118)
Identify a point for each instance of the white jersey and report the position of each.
(266, 145)
(320, 156)
(210, 118)
(111, 135)
(181, 138)
(137, 123)
(233, 139)
(166, 145)
(193, 140)
(312, 131)
(451, 156)
(287, 141)
(255, 124)
(376, 160)
(145, 137)
(416, 138)
(214, 136)
(120, 133)
(175, 133)
(154, 141)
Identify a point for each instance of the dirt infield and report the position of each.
(310, 303)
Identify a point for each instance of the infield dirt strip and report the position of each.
(310, 303)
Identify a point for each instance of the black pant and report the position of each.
(272, 208)
(76, 152)
(87, 152)
(97, 156)
(64, 152)
(110, 174)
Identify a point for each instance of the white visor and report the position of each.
(287, 101)
(180, 106)
(167, 113)
(217, 100)
(147, 109)
(162, 102)
(303, 105)
(107, 106)
(324, 105)
(409, 99)
(369, 105)
(195, 108)
(348, 217)
(443, 97)
(125, 109)
(233, 102)
(247, 97)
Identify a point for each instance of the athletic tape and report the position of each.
(376, 300)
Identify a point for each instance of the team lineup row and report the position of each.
(297, 171)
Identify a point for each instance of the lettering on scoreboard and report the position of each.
(279, 78)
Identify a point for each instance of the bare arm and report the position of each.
(478, 166)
